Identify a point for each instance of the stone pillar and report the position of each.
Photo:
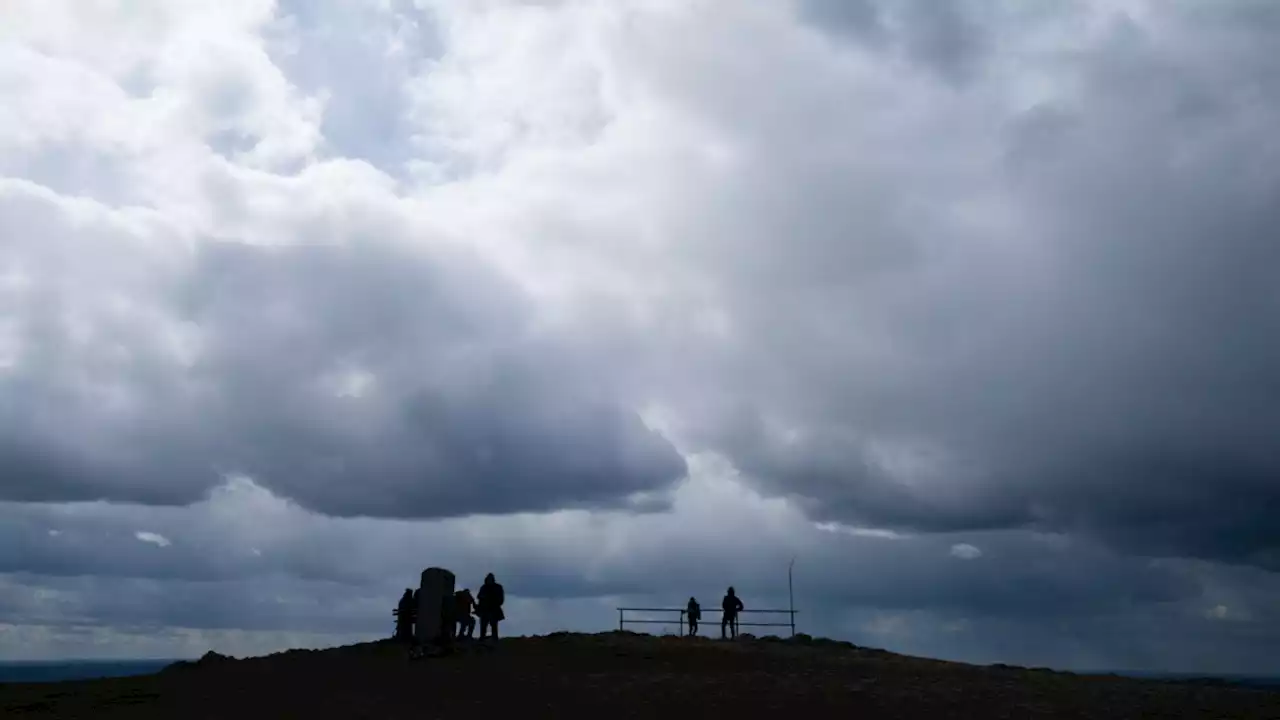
(435, 607)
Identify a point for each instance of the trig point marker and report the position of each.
(435, 608)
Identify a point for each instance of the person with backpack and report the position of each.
(694, 612)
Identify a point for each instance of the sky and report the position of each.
(969, 308)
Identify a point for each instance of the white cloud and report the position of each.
(153, 538)
(965, 551)
(859, 531)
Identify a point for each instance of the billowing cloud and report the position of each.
(601, 295)
(366, 379)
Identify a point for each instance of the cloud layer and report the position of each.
(967, 305)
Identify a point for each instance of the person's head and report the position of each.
(488, 579)
(407, 591)
(692, 601)
(731, 590)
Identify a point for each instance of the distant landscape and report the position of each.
(56, 670)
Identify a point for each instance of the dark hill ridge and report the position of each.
(622, 675)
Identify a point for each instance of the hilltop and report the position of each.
(622, 675)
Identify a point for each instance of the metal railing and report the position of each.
(623, 620)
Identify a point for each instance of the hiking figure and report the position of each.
(731, 606)
(489, 606)
(464, 605)
(694, 611)
(404, 616)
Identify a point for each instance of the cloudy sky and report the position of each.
(970, 307)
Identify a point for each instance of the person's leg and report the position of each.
(724, 625)
(484, 627)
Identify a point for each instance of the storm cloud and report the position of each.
(968, 306)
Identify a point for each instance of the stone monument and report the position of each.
(435, 608)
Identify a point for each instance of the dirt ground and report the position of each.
(621, 675)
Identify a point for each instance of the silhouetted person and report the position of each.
(464, 604)
(731, 606)
(694, 611)
(489, 606)
(404, 616)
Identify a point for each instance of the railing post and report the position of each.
(619, 619)
(681, 623)
(791, 596)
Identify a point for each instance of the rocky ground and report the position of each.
(622, 675)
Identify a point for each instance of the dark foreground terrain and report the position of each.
(621, 675)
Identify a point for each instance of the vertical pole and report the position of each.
(681, 623)
(791, 597)
(619, 619)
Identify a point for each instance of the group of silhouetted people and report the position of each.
(730, 606)
(486, 605)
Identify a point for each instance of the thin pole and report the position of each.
(619, 619)
(791, 597)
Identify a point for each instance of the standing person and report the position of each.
(489, 606)
(694, 611)
(404, 616)
(464, 605)
(731, 606)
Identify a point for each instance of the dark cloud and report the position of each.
(947, 38)
(376, 381)
(1002, 574)
(860, 18)
(1090, 347)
